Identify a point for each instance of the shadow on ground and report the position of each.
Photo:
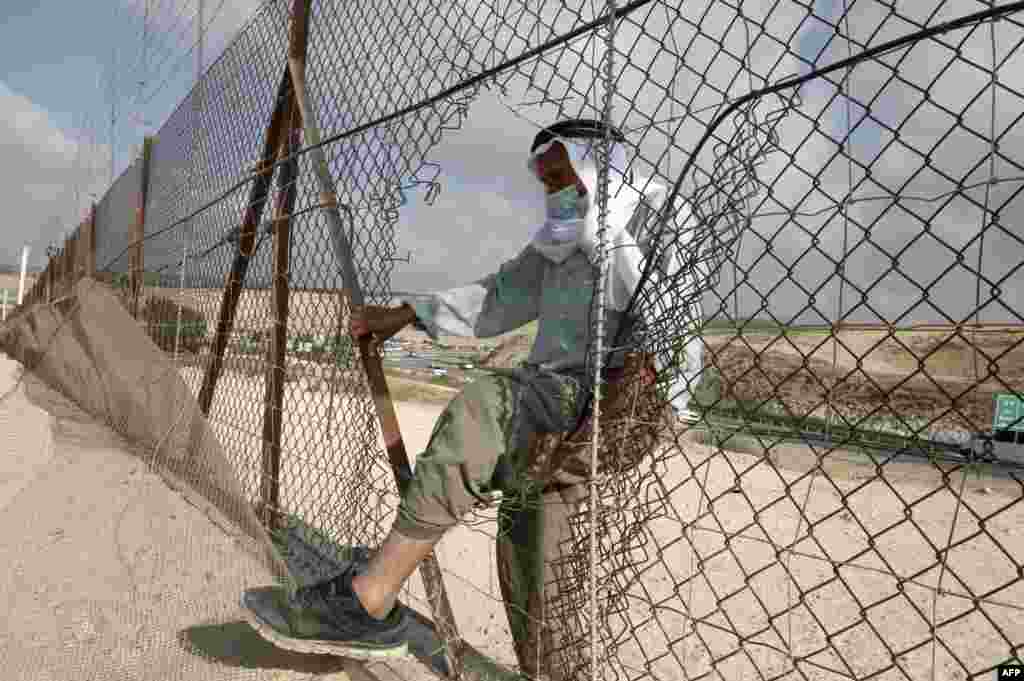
(236, 644)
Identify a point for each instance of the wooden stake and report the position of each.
(430, 569)
(247, 242)
(90, 249)
(273, 399)
(137, 263)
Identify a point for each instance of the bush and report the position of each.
(120, 280)
(161, 317)
(321, 348)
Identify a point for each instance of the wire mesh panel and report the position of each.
(115, 219)
(835, 490)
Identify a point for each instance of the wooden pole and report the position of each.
(430, 569)
(81, 249)
(137, 264)
(273, 400)
(247, 242)
(58, 281)
(76, 267)
(51, 269)
(90, 249)
(72, 262)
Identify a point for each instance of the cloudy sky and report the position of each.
(56, 93)
(366, 63)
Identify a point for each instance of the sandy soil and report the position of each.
(907, 511)
(722, 557)
(108, 574)
(11, 281)
(331, 483)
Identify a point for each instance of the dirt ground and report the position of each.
(930, 374)
(880, 526)
(755, 564)
(110, 574)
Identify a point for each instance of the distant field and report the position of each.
(932, 377)
(10, 281)
(928, 377)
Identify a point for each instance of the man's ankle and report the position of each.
(377, 605)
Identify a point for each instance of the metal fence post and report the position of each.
(90, 241)
(430, 569)
(273, 400)
(50, 270)
(246, 243)
(72, 261)
(138, 233)
(62, 274)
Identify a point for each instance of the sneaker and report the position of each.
(688, 416)
(326, 618)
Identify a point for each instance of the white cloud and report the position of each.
(42, 167)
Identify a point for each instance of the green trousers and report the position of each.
(479, 445)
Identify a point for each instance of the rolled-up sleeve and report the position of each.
(494, 305)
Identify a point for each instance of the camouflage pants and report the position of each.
(479, 444)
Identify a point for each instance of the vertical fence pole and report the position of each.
(246, 243)
(90, 248)
(67, 268)
(273, 400)
(80, 249)
(138, 234)
(50, 271)
(430, 569)
(72, 260)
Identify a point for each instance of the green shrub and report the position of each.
(321, 348)
(161, 317)
(119, 280)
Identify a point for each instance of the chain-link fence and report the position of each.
(841, 495)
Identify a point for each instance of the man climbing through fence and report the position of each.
(483, 440)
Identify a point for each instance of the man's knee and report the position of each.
(456, 470)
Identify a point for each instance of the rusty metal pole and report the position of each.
(72, 262)
(63, 284)
(273, 399)
(90, 248)
(430, 569)
(247, 242)
(83, 250)
(138, 234)
(61, 271)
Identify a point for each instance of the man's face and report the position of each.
(555, 171)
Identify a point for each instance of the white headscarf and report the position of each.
(558, 239)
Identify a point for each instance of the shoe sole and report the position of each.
(321, 647)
